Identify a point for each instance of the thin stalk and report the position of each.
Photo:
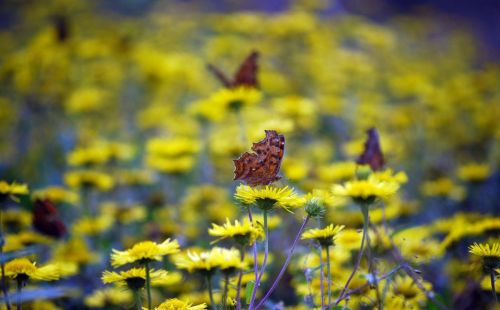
(372, 271)
(240, 276)
(224, 294)
(211, 293)
(148, 285)
(254, 248)
(321, 273)
(4, 283)
(283, 269)
(493, 289)
(329, 276)
(364, 210)
(138, 302)
(19, 291)
(263, 267)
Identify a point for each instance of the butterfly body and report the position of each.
(262, 166)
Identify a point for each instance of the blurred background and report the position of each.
(108, 109)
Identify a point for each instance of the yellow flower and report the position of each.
(143, 252)
(22, 267)
(406, 293)
(93, 226)
(74, 250)
(192, 261)
(91, 178)
(473, 172)
(243, 233)
(443, 187)
(233, 99)
(57, 194)
(208, 261)
(13, 189)
(268, 197)
(176, 304)
(324, 236)
(107, 297)
(366, 191)
(389, 176)
(485, 250)
(135, 278)
(86, 100)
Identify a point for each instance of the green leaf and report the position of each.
(249, 291)
(339, 308)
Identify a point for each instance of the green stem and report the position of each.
(493, 288)
(19, 291)
(329, 276)
(4, 283)
(366, 219)
(262, 268)
(240, 276)
(138, 302)
(321, 274)
(210, 292)
(224, 294)
(148, 285)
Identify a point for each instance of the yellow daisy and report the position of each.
(176, 304)
(243, 233)
(324, 236)
(144, 252)
(23, 268)
(268, 197)
(366, 191)
(108, 297)
(135, 278)
(12, 189)
(485, 250)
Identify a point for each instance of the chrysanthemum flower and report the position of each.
(388, 175)
(144, 252)
(135, 278)
(176, 304)
(207, 262)
(243, 233)
(90, 178)
(485, 250)
(233, 99)
(268, 197)
(108, 297)
(12, 189)
(366, 191)
(406, 293)
(324, 236)
(23, 268)
(473, 172)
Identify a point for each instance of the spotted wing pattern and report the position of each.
(372, 154)
(245, 76)
(262, 166)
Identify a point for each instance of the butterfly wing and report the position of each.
(247, 72)
(261, 167)
(220, 75)
(46, 219)
(372, 154)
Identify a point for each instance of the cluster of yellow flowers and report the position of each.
(126, 129)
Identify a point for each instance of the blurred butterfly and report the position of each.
(46, 219)
(245, 76)
(261, 167)
(372, 154)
